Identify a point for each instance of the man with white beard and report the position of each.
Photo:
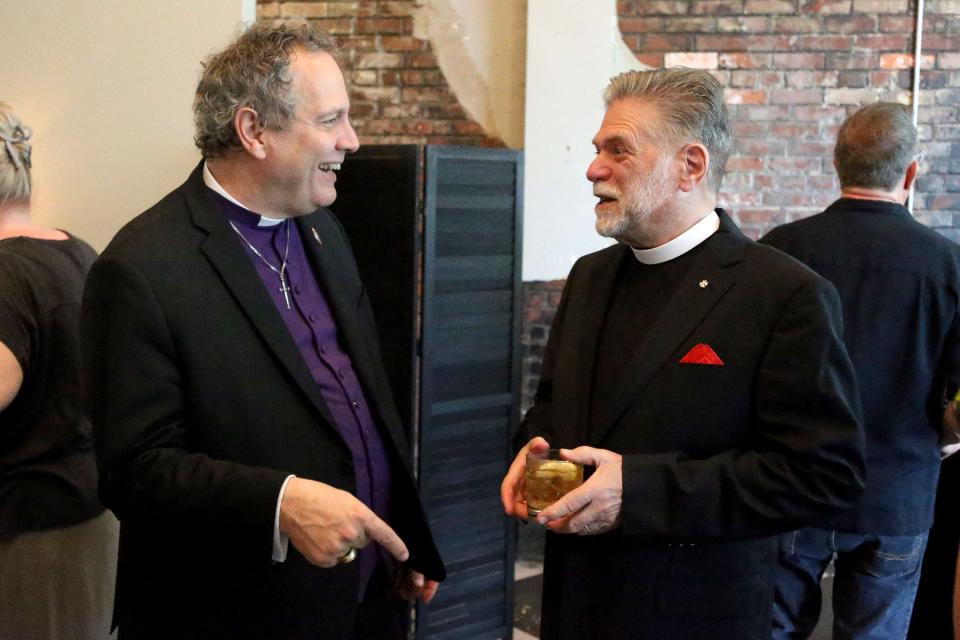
(701, 375)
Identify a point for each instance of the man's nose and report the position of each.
(597, 171)
(348, 139)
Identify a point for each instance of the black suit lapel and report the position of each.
(227, 256)
(584, 321)
(687, 308)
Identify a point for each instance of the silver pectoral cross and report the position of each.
(285, 290)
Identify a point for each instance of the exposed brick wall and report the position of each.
(540, 300)
(794, 70)
(398, 93)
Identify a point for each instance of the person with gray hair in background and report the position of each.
(58, 545)
(246, 431)
(703, 377)
(899, 283)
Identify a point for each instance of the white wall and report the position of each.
(107, 87)
(573, 49)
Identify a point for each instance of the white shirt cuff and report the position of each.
(949, 442)
(280, 540)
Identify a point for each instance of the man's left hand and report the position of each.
(412, 585)
(595, 506)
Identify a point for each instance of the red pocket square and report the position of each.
(701, 354)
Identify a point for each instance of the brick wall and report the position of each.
(540, 304)
(398, 93)
(794, 70)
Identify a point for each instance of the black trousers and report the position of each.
(382, 615)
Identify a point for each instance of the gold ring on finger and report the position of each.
(348, 557)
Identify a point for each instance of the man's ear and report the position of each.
(912, 169)
(695, 161)
(250, 132)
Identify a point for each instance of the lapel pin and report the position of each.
(317, 236)
(703, 283)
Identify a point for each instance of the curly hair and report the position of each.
(251, 72)
(15, 149)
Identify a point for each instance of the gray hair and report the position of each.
(875, 145)
(693, 108)
(15, 150)
(252, 72)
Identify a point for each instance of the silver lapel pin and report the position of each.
(703, 283)
(317, 236)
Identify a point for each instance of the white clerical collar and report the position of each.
(687, 240)
(211, 182)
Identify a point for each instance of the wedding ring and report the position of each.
(585, 530)
(348, 557)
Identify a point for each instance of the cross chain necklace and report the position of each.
(284, 289)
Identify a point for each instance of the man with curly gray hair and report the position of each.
(253, 73)
(246, 434)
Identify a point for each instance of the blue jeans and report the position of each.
(873, 590)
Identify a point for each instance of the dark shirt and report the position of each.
(639, 295)
(899, 283)
(48, 477)
(312, 326)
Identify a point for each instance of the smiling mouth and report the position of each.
(329, 166)
(605, 199)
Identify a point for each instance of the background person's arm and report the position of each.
(11, 376)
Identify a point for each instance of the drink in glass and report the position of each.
(548, 478)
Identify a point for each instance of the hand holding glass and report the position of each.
(547, 478)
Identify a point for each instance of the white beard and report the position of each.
(640, 199)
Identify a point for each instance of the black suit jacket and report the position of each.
(716, 459)
(899, 283)
(202, 405)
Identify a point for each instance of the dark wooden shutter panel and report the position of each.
(437, 232)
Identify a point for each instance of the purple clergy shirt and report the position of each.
(311, 324)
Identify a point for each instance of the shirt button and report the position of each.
(355, 404)
(341, 373)
(323, 348)
(312, 318)
(296, 289)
